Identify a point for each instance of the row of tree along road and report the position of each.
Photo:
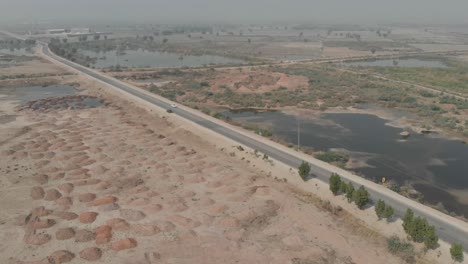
(416, 227)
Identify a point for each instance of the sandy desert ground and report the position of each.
(120, 184)
(116, 184)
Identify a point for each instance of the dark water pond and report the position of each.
(398, 63)
(144, 58)
(434, 164)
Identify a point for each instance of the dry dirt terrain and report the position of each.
(117, 184)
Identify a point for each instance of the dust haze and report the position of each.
(242, 11)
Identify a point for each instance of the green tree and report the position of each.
(407, 219)
(418, 229)
(432, 239)
(350, 192)
(456, 251)
(343, 187)
(304, 170)
(361, 197)
(335, 183)
(388, 213)
(380, 209)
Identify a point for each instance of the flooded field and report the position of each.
(432, 165)
(398, 63)
(144, 58)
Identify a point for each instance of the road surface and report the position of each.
(449, 229)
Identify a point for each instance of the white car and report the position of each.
(173, 105)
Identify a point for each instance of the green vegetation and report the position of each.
(204, 84)
(419, 230)
(332, 157)
(453, 78)
(343, 187)
(389, 212)
(456, 251)
(402, 249)
(380, 208)
(335, 183)
(350, 192)
(383, 211)
(304, 170)
(361, 197)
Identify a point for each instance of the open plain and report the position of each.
(115, 183)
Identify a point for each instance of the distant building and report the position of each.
(80, 31)
(56, 31)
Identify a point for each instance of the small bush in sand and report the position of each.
(304, 170)
(456, 251)
(402, 249)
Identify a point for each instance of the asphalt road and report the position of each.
(446, 230)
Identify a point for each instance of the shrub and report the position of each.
(204, 84)
(380, 209)
(389, 212)
(335, 183)
(361, 197)
(350, 192)
(432, 239)
(304, 170)
(343, 187)
(407, 219)
(418, 229)
(330, 156)
(456, 251)
(402, 249)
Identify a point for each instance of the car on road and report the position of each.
(173, 105)
(169, 111)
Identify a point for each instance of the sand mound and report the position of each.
(40, 211)
(66, 215)
(124, 244)
(61, 256)
(84, 235)
(64, 233)
(86, 197)
(41, 179)
(103, 200)
(103, 234)
(66, 187)
(37, 193)
(37, 239)
(132, 215)
(52, 195)
(118, 224)
(145, 230)
(43, 224)
(108, 207)
(91, 254)
(88, 217)
(153, 209)
(64, 201)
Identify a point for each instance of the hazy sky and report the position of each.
(354, 11)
